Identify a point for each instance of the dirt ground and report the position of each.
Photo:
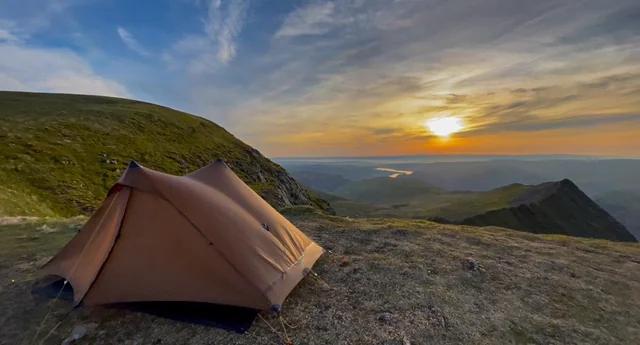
(382, 281)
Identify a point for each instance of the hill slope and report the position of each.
(384, 281)
(59, 153)
(384, 190)
(555, 207)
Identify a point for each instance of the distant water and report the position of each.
(395, 173)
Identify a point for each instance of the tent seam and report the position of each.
(298, 261)
(217, 250)
(163, 196)
(115, 241)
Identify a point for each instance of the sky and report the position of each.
(353, 77)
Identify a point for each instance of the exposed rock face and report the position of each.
(558, 208)
(281, 190)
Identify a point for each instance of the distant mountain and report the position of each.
(555, 207)
(552, 207)
(320, 181)
(60, 153)
(624, 205)
(594, 175)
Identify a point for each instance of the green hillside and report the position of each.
(408, 197)
(60, 153)
(385, 190)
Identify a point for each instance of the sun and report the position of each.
(444, 126)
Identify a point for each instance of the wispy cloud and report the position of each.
(28, 67)
(313, 19)
(393, 65)
(8, 32)
(201, 54)
(224, 23)
(131, 43)
(52, 70)
(33, 16)
(7, 36)
(309, 77)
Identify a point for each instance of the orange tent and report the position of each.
(203, 237)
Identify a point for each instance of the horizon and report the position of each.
(558, 156)
(352, 78)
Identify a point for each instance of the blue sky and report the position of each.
(351, 77)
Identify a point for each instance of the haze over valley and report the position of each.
(452, 188)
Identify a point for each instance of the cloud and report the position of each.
(332, 71)
(312, 19)
(574, 121)
(25, 68)
(36, 16)
(201, 54)
(7, 36)
(131, 43)
(224, 23)
(8, 32)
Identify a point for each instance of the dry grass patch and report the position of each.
(384, 281)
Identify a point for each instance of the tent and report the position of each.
(204, 237)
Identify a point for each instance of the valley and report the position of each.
(469, 192)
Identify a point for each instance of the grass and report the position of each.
(383, 281)
(59, 154)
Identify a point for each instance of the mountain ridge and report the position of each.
(555, 207)
(551, 207)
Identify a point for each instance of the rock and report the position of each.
(42, 261)
(78, 332)
(385, 317)
(405, 339)
(47, 229)
(470, 264)
(436, 317)
(344, 262)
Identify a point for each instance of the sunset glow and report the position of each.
(444, 126)
(354, 78)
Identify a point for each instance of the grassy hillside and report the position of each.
(59, 154)
(383, 281)
(408, 197)
(385, 190)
